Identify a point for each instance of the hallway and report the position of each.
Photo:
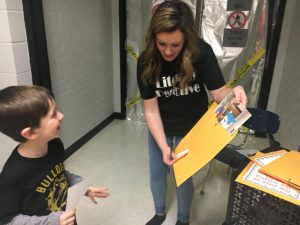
(117, 158)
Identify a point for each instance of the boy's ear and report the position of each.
(28, 133)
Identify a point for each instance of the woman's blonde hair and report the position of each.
(169, 17)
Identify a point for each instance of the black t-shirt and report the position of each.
(180, 109)
(33, 186)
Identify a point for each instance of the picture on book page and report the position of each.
(230, 114)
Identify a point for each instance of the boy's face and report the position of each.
(50, 124)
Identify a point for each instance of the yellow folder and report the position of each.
(204, 141)
(286, 169)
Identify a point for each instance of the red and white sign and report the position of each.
(237, 20)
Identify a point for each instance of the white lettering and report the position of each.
(197, 88)
(168, 82)
(164, 82)
(158, 93)
(176, 91)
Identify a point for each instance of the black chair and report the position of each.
(262, 123)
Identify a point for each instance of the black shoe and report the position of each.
(181, 223)
(156, 220)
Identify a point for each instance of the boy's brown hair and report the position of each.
(22, 107)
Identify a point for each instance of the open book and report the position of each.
(230, 114)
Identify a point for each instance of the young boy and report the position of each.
(34, 182)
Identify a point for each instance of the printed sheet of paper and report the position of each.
(76, 192)
(251, 176)
(286, 169)
(264, 159)
(230, 114)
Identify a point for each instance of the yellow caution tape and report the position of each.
(136, 100)
(132, 52)
(245, 68)
(133, 102)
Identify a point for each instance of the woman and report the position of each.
(172, 74)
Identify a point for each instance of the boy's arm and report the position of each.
(51, 219)
(73, 178)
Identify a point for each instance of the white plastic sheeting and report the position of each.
(138, 17)
(232, 59)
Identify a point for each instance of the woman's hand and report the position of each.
(169, 157)
(95, 192)
(238, 92)
(240, 95)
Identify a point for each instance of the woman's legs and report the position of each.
(158, 176)
(185, 194)
(158, 181)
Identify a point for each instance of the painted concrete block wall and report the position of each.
(285, 92)
(79, 39)
(116, 55)
(14, 57)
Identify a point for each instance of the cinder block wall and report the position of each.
(84, 61)
(79, 41)
(14, 57)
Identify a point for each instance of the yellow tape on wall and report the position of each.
(245, 68)
(133, 102)
(130, 50)
(136, 100)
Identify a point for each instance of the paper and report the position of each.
(75, 193)
(286, 169)
(251, 176)
(263, 159)
(230, 114)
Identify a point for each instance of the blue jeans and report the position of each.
(158, 181)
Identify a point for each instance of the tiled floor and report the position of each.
(117, 158)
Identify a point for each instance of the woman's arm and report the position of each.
(155, 126)
(238, 92)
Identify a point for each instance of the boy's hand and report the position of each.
(67, 218)
(95, 192)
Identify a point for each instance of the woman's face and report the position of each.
(170, 44)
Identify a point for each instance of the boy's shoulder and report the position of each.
(17, 166)
(13, 167)
(56, 141)
(56, 147)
